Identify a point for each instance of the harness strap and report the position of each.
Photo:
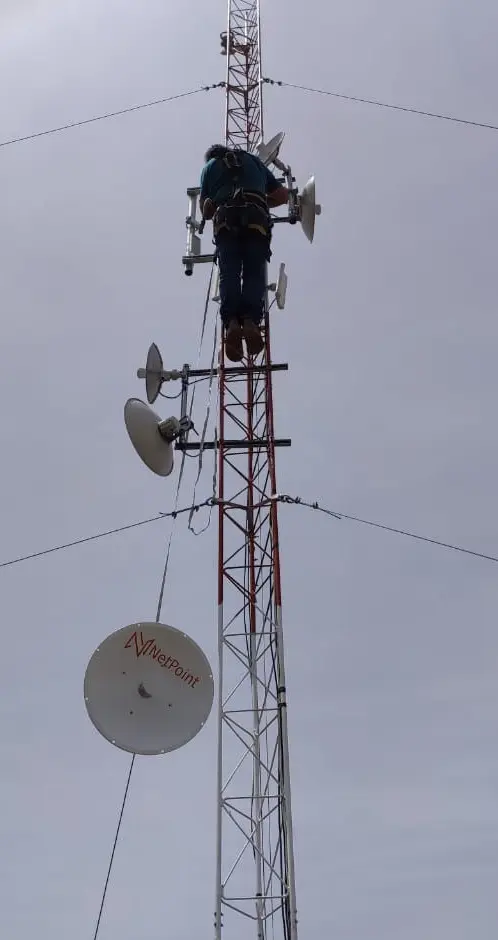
(243, 209)
(235, 216)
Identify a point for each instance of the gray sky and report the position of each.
(390, 331)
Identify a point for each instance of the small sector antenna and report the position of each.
(281, 291)
(215, 294)
(148, 688)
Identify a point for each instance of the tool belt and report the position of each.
(244, 210)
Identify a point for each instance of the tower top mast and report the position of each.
(241, 44)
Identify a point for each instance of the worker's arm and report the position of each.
(278, 197)
(276, 194)
(206, 205)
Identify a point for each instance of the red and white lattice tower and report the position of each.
(255, 880)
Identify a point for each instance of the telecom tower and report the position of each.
(255, 878)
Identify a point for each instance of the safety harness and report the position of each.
(244, 209)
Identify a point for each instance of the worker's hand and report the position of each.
(278, 197)
(208, 209)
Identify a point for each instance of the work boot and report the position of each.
(233, 341)
(252, 335)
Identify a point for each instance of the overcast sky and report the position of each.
(391, 333)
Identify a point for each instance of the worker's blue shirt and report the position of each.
(217, 182)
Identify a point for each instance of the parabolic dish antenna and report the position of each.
(153, 373)
(148, 688)
(309, 209)
(149, 436)
(269, 152)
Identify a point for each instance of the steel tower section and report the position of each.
(255, 883)
(244, 87)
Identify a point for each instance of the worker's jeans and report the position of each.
(242, 258)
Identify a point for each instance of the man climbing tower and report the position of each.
(237, 191)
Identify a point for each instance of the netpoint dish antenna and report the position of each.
(269, 152)
(308, 209)
(151, 437)
(148, 688)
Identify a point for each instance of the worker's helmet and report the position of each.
(217, 151)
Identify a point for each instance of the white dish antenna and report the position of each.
(153, 373)
(269, 152)
(281, 291)
(151, 437)
(148, 688)
(308, 209)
